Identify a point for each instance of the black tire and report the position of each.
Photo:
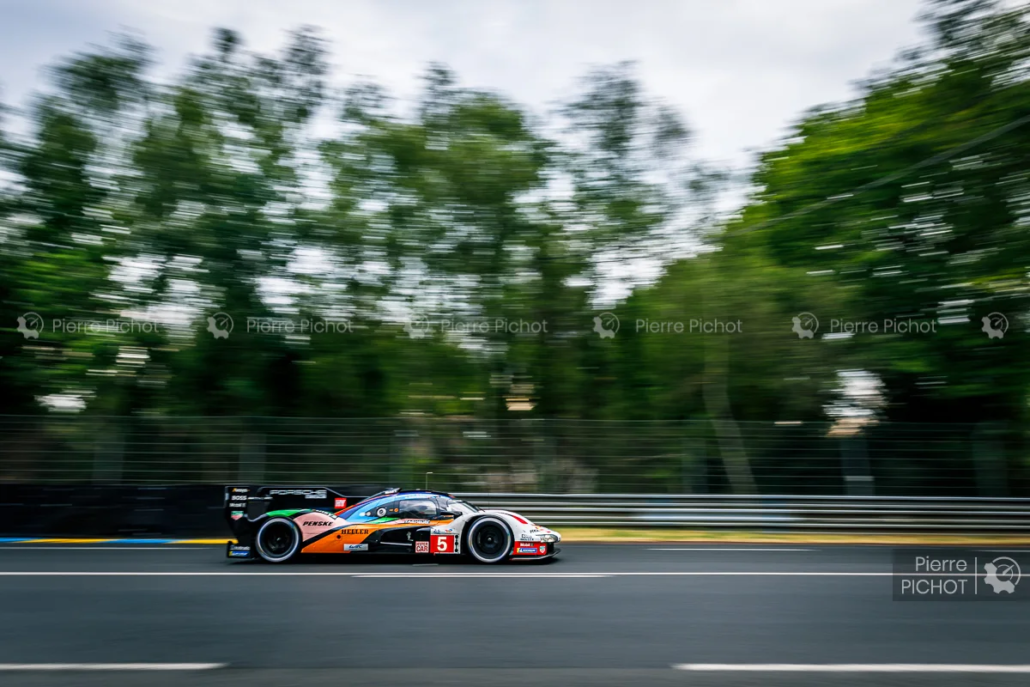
(489, 540)
(278, 540)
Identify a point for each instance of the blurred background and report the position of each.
(608, 263)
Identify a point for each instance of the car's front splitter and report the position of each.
(552, 552)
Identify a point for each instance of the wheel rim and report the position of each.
(490, 541)
(277, 540)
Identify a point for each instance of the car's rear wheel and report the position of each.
(278, 540)
(489, 540)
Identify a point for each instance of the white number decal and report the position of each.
(442, 543)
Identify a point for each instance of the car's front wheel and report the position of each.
(489, 540)
(278, 540)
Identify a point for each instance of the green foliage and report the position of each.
(926, 226)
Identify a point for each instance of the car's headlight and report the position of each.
(550, 538)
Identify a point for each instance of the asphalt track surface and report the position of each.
(598, 615)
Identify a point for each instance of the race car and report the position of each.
(276, 524)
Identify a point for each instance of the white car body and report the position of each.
(529, 539)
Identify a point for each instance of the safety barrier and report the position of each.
(197, 510)
(767, 512)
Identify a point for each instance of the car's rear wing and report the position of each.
(246, 504)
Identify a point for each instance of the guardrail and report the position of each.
(765, 512)
(197, 510)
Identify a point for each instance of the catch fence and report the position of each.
(520, 456)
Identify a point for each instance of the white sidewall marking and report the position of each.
(507, 533)
(286, 556)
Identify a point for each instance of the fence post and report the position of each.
(989, 459)
(538, 441)
(854, 463)
(399, 469)
(252, 457)
(692, 469)
(108, 453)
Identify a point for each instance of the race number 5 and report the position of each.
(442, 543)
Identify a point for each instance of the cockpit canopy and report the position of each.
(395, 505)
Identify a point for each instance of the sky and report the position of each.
(739, 71)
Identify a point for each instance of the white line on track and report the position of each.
(852, 668)
(110, 666)
(427, 575)
(483, 575)
(720, 548)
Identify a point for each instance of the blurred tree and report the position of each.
(59, 239)
(917, 196)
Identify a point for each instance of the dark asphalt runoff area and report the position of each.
(620, 614)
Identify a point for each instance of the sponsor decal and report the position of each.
(352, 530)
(238, 497)
(412, 522)
(355, 547)
(421, 547)
(239, 490)
(339, 503)
(237, 514)
(522, 549)
(316, 523)
(239, 551)
(306, 493)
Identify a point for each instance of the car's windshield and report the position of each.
(370, 507)
(397, 506)
(456, 506)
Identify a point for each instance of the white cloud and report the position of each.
(739, 70)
